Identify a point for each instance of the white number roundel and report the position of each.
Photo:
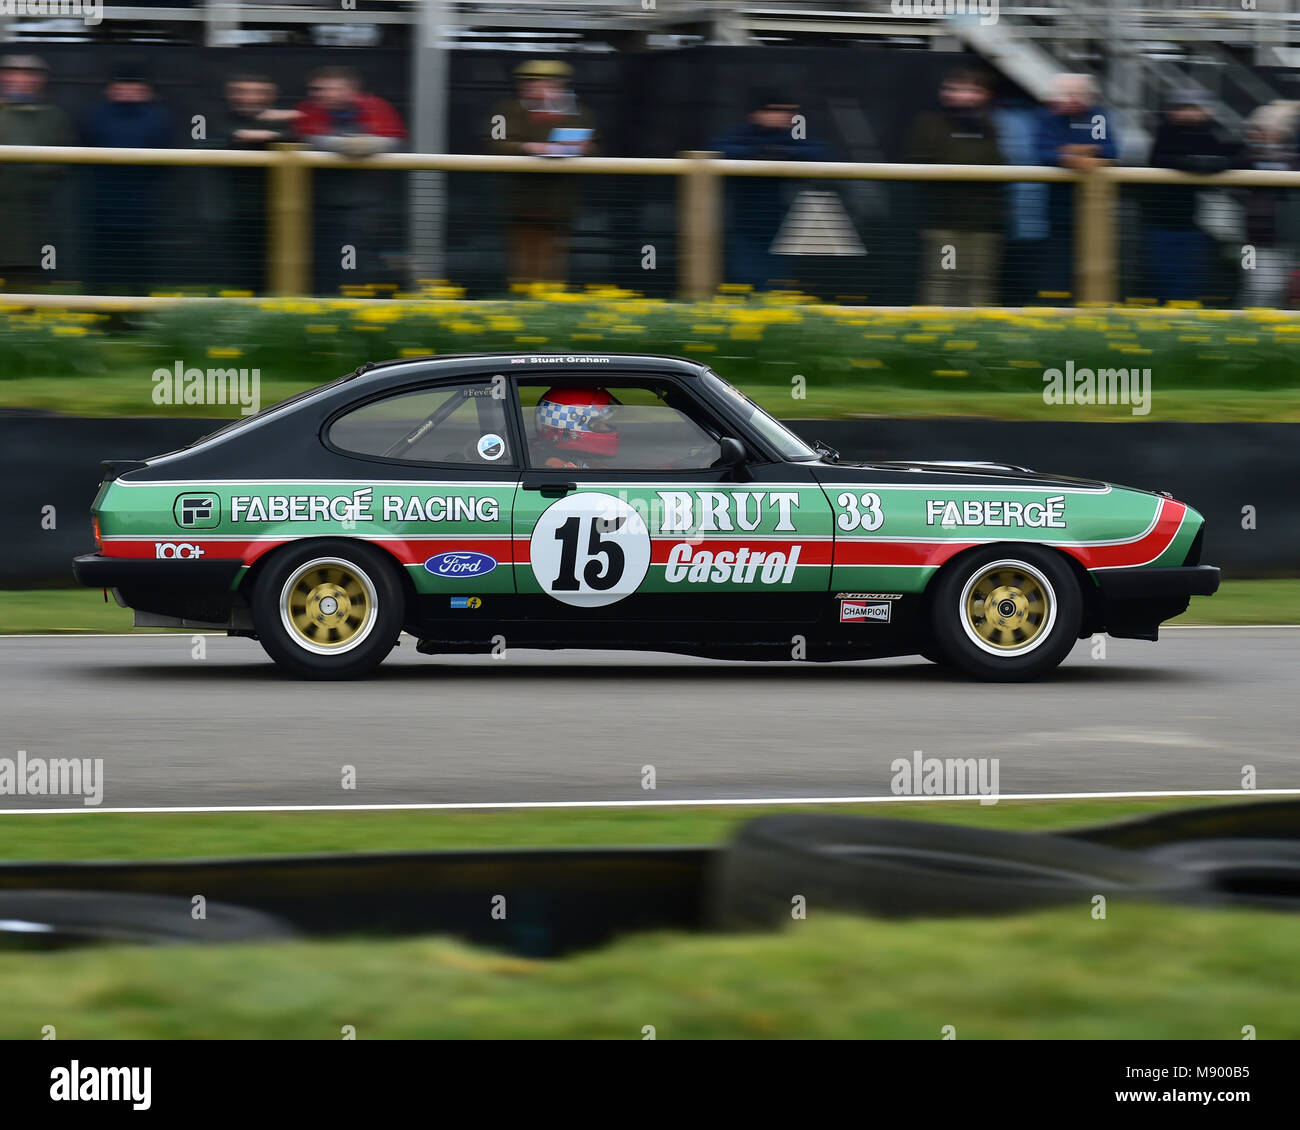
(590, 550)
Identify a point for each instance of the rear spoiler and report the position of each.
(115, 467)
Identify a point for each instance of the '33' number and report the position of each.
(860, 512)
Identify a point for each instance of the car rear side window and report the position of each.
(460, 425)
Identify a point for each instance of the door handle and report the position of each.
(549, 487)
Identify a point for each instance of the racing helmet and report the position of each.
(578, 419)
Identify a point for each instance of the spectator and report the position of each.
(1178, 251)
(545, 119)
(249, 119)
(756, 205)
(1271, 219)
(125, 211)
(1026, 205)
(1074, 132)
(962, 238)
(26, 118)
(340, 117)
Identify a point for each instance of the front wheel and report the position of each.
(329, 610)
(1007, 613)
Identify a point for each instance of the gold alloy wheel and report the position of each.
(1008, 607)
(328, 606)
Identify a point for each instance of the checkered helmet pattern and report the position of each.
(579, 419)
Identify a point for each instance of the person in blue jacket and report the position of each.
(126, 208)
(1074, 132)
(756, 206)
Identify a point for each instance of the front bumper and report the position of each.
(1135, 602)
(207, 578)
(1146, 584)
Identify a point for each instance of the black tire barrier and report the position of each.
(568, 899)
(51, 919)
(555, 900)
(1261, 819)
(903, 868)
(1252, 872)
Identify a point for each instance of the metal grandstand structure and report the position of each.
(1139, 51)
(1270, 27)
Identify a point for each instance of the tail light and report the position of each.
(94, 525)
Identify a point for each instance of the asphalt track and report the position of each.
(1186, 713)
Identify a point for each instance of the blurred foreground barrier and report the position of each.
(560, 900)
(555, 900)
(301, 216)
(1220, 469)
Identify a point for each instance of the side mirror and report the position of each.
(733, 457)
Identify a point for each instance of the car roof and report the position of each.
(382, 374)
(378, 376)
(458, 363)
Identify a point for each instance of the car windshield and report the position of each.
(776, 433)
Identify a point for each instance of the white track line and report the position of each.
(713, 803)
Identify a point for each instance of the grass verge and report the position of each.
(173, 835)
(1145, 972)
(127, 392)
(56, 611)
(844, 361)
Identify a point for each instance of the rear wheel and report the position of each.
(329, 610)
(1006, 613)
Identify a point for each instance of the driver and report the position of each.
(575, 428)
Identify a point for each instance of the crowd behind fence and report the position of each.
(293, 221)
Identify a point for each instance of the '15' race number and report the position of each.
(860, 512)
(590, 550)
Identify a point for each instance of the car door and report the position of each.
(658, 533)
(445, 473)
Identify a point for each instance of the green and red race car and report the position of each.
(631, 502)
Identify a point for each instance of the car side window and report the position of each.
(615, 426)
(460, 425)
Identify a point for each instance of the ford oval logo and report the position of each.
(460, 563)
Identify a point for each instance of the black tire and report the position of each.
(1239, 872)
(1258, 820)
(912, 868)
(367, 614)
(53, 919)
(1032, 582)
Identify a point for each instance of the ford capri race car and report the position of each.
(638, 502)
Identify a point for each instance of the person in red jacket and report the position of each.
(338, 116)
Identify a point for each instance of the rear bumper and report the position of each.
(1135, 602)
(212, 577)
